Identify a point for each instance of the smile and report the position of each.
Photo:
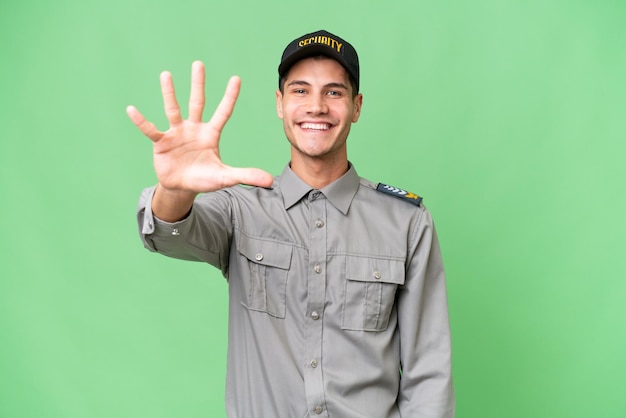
(315, 126)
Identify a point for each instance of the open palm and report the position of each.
(186, 156)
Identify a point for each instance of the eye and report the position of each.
(336, 93)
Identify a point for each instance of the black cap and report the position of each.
(321, 43)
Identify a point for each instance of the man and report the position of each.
(337, 291)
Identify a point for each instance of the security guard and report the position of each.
(337, 291)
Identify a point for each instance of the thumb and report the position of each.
(249, 176)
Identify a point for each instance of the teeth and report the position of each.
(317, 126)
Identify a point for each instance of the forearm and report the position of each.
(172, 205)
(203, 235)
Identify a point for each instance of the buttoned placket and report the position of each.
(316, 292)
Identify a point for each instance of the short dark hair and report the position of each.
(281, 84)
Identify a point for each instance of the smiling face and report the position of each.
(317, 108)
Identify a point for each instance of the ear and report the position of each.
(279, 104)
(358, 103)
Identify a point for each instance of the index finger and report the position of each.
(227, 104)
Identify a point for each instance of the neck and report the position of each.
(319, 173)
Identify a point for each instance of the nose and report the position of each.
(317, 105)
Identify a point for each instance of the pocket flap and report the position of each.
(268, 253)
(377, 270)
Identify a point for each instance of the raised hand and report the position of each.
(186, 156)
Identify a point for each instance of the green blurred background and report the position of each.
(508, 116)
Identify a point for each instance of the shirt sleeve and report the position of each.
(426, 388)
(204, 235)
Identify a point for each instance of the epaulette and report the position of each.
(399, 193)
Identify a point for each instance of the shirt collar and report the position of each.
(292, 187)
(339, 193)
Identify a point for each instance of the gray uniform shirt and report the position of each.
(337, 298)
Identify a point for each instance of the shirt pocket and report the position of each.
(370, 292)
(268, 264)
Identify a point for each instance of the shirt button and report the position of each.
(377, 275)
(175, 232)
(317, 269)
(314, 363)
(258, 257)
(319, 223)
(315, 316)
(318, 409)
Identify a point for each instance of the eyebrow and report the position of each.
(306, 83)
